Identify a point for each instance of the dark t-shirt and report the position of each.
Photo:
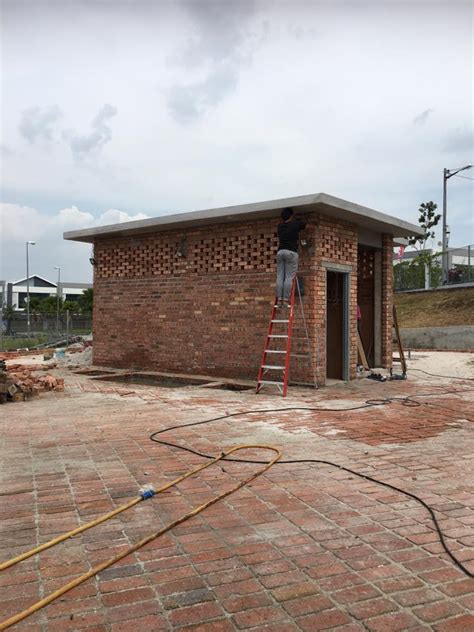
(288, 234)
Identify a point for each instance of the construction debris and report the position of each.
(10, 355)
(78, 359)
(18, 383)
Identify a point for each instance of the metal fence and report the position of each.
(426, 272)
(43, 328)
(460, 265)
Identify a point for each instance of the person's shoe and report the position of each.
(286, 304)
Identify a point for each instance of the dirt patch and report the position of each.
(443, 308)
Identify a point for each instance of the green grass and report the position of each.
(440, 308)
(10, 343)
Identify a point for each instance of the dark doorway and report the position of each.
(336, 326)
(365, 300)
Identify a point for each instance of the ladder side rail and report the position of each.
(399, 341)
(265, 347)
(288, 340)
(312, 359)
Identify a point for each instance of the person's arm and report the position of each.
(301, 225)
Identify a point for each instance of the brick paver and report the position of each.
(304, 547)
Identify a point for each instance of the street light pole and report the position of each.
(447, 173)
(57, 297)
(28, 243)
(444, 239)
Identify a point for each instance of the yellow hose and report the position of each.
(69, 534)
(103, 565)
(94, 523)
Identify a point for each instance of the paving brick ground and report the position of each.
(304, 547)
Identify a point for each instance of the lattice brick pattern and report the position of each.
(157, 255)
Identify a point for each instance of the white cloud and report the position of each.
(21, 223)
(460, 140)
(114, 216)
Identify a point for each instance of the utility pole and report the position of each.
(57, 298)
(28, 243)
(447, 173)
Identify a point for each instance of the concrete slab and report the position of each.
(322, 202)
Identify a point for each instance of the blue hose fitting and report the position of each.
(147, 492)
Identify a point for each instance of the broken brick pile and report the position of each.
(18, 383)
(10, 355)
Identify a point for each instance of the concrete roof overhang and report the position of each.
(320, 202)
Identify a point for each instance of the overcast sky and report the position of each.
(124, 109)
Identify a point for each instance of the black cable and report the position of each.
(449, 377)
(406, 401)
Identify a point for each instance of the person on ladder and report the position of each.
(287, 255)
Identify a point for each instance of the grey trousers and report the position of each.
(287, 266)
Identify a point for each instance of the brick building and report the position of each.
(192, 293)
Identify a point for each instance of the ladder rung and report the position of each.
(278, 336)
(273, 351)
(280, 321)
(272, 366)
(270, 382)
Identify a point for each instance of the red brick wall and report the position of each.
(387, 300)
(336, 242)
(208, 312)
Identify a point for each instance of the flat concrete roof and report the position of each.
(319, 202)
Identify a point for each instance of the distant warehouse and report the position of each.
(192, 292)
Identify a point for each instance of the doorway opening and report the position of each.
(366, 279)
(337, 325)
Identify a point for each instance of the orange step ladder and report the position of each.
(277, 360)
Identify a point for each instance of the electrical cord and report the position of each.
(449, 377)
(405, 401)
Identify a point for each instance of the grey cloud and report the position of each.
(6, 151)
(223, 43)
(188, 102)
(459, 140)
(83, 144)
(300, 32)
(220, 27)
(38, 123)
(422, 117)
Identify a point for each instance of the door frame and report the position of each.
(346, 272)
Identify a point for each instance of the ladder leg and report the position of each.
(288, 340)
(308, 341)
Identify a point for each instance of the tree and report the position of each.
(49, 304)
(85, 301)
(428, 220)
(70, 306)
(7, 313)
(35, 304)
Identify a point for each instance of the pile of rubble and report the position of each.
(18, 383)
(80, 358)
(9, 355)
